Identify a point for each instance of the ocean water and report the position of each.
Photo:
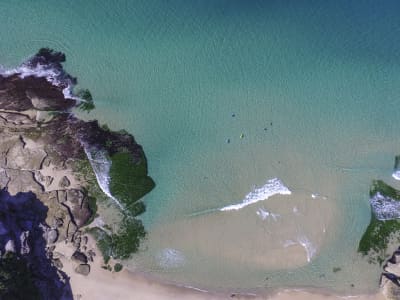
(295, 102)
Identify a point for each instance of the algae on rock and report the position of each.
(384, 225)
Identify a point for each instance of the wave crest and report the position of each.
(273, 187)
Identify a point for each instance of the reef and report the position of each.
(51, 182)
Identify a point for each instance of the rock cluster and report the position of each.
(41, 148)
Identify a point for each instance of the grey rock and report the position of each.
(51, 236)
(21, 157)
(22, 181)
(57, 263)
(64, 182)
(4, 179)
(71, 230)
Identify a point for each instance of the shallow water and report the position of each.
(312, 88)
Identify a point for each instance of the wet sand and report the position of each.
(101, 284)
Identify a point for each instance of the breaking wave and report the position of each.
(47, 64)
(396, 175)
(101, 167)
(385, 208)
(272, 187)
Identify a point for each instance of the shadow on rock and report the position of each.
(26, 269)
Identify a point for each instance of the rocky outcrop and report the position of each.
(42, 150)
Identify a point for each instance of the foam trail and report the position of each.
(272, 187)
(305, 243)
(203, 212)
(101, 166)
(263, 214)
(308, 246)
(170, 258)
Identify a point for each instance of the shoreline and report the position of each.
(104, 284)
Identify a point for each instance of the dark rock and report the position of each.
(83, 269)
(393, 278)
(57, 263)
(79, 257)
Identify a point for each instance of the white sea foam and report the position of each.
(264, 214)
(52, 75)
(396, 175)
(170, 258)
(296, 210)
(272, 187)
(385, 208)
(101, 166)
(302, 240)
(308, 246)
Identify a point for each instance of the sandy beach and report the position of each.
(102, 284)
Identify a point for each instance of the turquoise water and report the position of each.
(326, 75)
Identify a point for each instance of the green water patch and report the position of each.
(380, 233)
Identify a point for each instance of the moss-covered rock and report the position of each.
(118, 267)
(121, 243)
(384, 225)
(129, 181)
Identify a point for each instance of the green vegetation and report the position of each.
(87, 104)
(104, 242)
(120, 244)
(129, 180)
(385, 190)
(16, 280)
(379, 234)
(376, 238)
(118, 267)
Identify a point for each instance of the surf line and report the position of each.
(272, 187)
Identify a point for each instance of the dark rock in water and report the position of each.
(83, 269)
(79, 257)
